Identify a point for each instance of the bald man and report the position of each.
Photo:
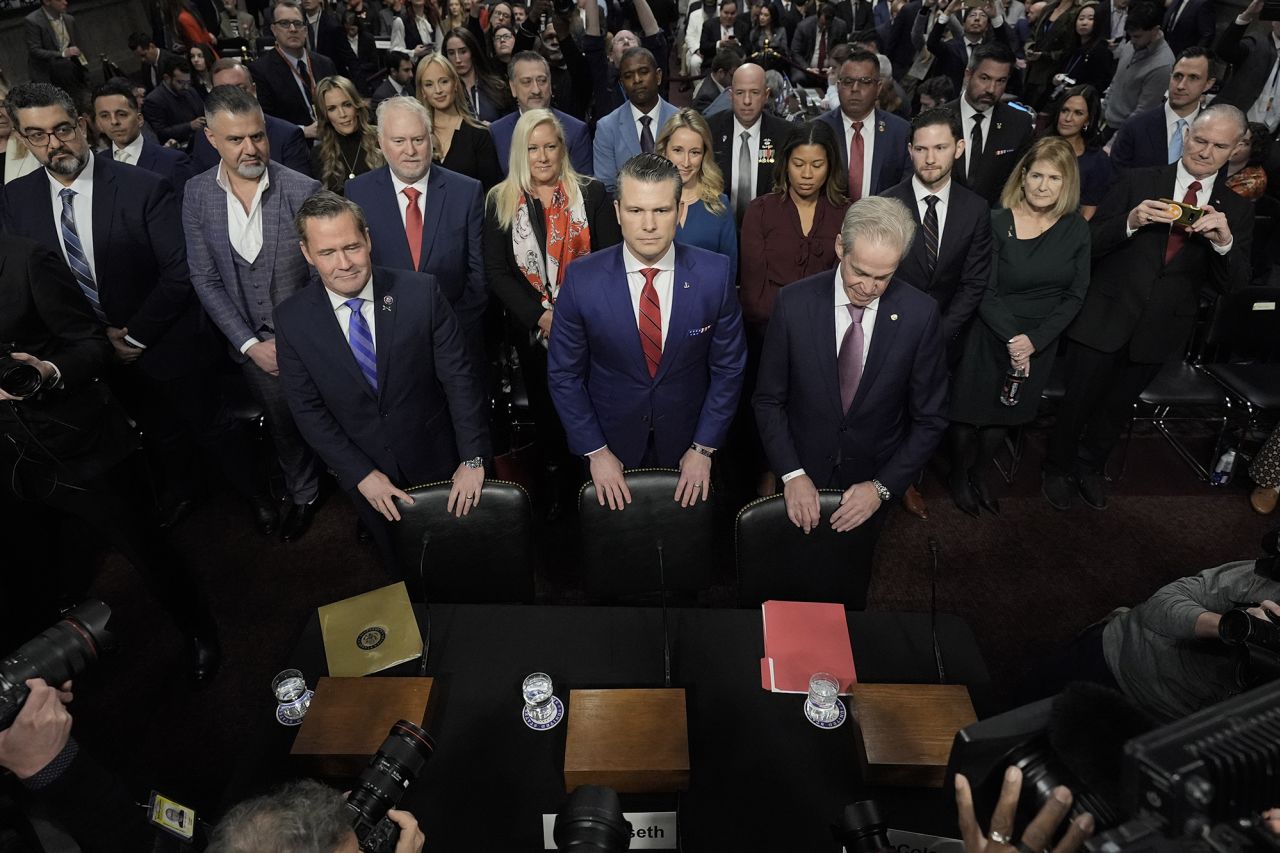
(747, 139)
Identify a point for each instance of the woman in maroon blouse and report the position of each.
(790, 233)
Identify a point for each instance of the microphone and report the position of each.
(426, 606)
(933, 609)
(666, 639)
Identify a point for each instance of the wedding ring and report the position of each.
(999, 837)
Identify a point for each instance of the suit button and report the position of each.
(384, 414)
(645, 418)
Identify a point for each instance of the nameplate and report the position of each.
(649, 830)
(1264, 306)
(913, 842)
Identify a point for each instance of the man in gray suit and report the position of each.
(52, 52)
(238, 217)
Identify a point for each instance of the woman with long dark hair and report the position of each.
(348, 144)
(1092, 63)
(1076, 119)
(417, 31)
(485, 92)
(459, 141)
(1053, 39)
(201, 57)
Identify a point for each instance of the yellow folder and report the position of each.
(370, 632)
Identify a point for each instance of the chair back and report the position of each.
(1247, 322)
(487, 556)
(777, 560)
(620, 548)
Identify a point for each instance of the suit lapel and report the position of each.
(823, 320)
(398, 255)
(329, 330)
(618, 298)
(683, 284)
(882, 335)
(272, 204)
(437, 198)
(384, 324)
(878, 127)
(104, 202)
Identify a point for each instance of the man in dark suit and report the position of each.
(286, 75)
(53, 49)
(288, 145)
(811, 45)
(878, 139)
(721, 75)
(647, 351)
(951, 58)
(727, 28)
(398, 81)
(69, 447)
(120, 119)
(856, 14)
(1188, 23)
(238, 218)
(747, 140)
(996, 134)
(1144, 295)
(326, 36)
(386, 395)
(1155, 137)
(150, 56)
(173, 109)
(529, 76)
(1252, 58)
(119, 228)
(423, 217)
(852, 389)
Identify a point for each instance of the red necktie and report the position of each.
(413, 225)
(856, 152)
(650, 322)
(822, 51)
(1178, 234)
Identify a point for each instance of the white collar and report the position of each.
(666, 263)
(366, 293)
(944, 194)
(968, 111)
(1171, 118)
(754, 130)
(842, 298)
(1184, 178)
(399, 185)
(636, 115)
(867, 121)
(263, 183)
(134, 148)
(83, 181)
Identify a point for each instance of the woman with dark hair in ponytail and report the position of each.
(486, 93)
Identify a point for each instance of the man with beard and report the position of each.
(996, 135)
(239, 221)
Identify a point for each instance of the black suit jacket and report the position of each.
(139, 259)
(776, 129)
(805, 38)
(896, 419)
(43, 313)
(856, 14)
(1007, 134)
(332, 43)
(951, 58)
(1251, 58)
(167, 163)
(960, 277)
(148, 76)
(1134, 299)
(428, 413)
(1141, 142)
(170, 113)
(278, 90)
(386, 89)
(710, 38)
(1195, 25)
(706, 94)
(287, 144)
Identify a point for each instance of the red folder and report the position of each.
(801, 638)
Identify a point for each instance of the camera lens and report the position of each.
(592, 821)
(58, 654)
(19, 378)
(862, 829)
(397, 763)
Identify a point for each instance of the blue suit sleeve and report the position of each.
(605, 160)
(470, 307)
(727, 364)
(568, 360)
(580, 153)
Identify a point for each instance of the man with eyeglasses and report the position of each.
(173, 109)
(873, 149)
(117, 228)
(287, 74)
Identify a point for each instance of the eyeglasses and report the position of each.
(289, 25)
(504, 37)
(855, 82)
(40, 138)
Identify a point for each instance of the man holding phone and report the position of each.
(1152, 253)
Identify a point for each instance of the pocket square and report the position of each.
(693, 333)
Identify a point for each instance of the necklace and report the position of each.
(347, 161)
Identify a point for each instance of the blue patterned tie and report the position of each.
(75, 255)
(1176, 141)
(361, 340)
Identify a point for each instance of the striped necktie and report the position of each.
(75, 254)
(361, 340)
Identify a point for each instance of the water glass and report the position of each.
(538, 693)
(824, 692)
(290, 689)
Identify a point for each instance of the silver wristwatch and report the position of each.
(478, 462)
(881, 490)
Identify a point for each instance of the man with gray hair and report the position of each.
(301, 817)
(238, 219)
(289, 146)
(423, 217)
(852, 388)
(1140, 311)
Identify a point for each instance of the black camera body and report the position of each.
(57, 655)
(1255, 646)
(18, 378)
(390, 772)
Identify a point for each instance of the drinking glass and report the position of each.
(290, 689)
(824, 692)
(538, 693)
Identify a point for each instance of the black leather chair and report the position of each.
(1181, 387)
(1246, 325)
(620, 548)
(487, 556)
(777, 560)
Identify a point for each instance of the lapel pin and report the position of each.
(880, 128)
(893, 316)
(387, 302)
(999, 126)
(686, 285)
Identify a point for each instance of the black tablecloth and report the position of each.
(763, 778)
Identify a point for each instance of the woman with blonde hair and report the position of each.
(460, 142)
(348, 144)
(707, 221)
(1039, 276)
(538, 220)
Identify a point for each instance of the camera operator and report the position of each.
(301, 817)
(1001, 832)
(64, 784)
(1165, 653)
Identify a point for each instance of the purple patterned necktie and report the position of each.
(849, 362)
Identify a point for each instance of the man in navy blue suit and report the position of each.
(852, 389)
(647, 352)
(877, 138)
(287, 144)
(530, 78)
(119, 118)
(423, 217)
(1155, 137)
(173, 109)
(376, 376)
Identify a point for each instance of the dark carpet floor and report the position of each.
(1026, 581)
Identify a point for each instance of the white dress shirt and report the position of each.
(1171, 120)
(1205, 192)
(82, 206)
(132, 151)
(944, 201)
(753, 150)
(244, 228)
(654, 127)
(868, 146)
(663, 283)
(397, 33)
(402, 200)
(343, 313)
